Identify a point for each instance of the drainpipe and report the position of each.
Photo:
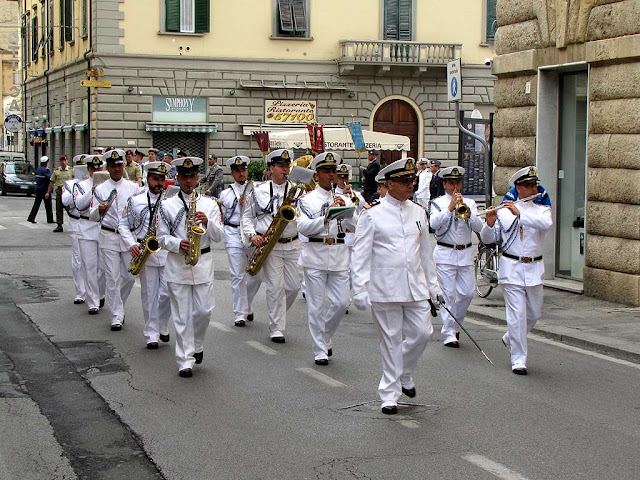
(86, 57)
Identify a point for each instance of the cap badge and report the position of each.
(82, 158)
(115, 155)
(238, 161)
(532, 172)
(409, 165)
(162, 169)
(188, 163)
(455, 172)
(285, 155)
(329, 158)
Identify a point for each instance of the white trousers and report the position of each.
(458, 285)
(404, 330)
(92, 268)
(282, 278)
(76, 267)
(156, 305)
(191, 307)
(324, 320)
(523, 308)
(119, 281)
(243, 286)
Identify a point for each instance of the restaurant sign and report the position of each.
(289, 112)
(180, 109)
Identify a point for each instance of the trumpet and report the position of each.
(495, 209)
(352, 195)
(462, 211)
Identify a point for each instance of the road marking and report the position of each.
(495, 468)
(409, 423)
(221, 327)
(321, 377)
(258, 346)
(2, 228)
(557, 343)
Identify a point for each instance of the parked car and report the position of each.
(17, 177)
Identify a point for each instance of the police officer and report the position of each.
(58, 177)
(43, 174)
(369, 174)
(395, 276)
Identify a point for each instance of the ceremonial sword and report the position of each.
(465, 331)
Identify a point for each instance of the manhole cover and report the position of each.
(93, 358)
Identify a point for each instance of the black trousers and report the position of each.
(59, 207)
(36, 206)
(367, 194)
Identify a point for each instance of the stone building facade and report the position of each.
(562, 63)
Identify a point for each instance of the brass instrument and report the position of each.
(286, 214)
(495, 209)
(148, 245)
(304, 161)
(194, 233)
(462, 211)
(352, 196)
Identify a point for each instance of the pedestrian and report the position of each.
(436, 187)
(43, 176)
(423, 194)
(394, 275)
(60, 175)
(520, 229)
(134, 171)
(369, 174)
(190, 286)
(214, 178)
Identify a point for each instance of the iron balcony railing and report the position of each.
(388, 52)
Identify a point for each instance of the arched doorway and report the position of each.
(398, 117)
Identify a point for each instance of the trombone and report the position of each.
(495, 209)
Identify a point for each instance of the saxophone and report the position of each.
(148, 245)
(286, 214)
(194, 233)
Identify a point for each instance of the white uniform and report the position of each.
(453, 256)
(326, 268)
(281, 270)
(92, 267)
(74, 218)
(115, 254)
(400, 278)
(190, 287)
(521, 280)
(243, 286)
(133, 227)
(423, 194)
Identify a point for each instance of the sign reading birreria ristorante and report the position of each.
(289, 112)
(180, 109)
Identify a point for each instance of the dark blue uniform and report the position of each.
(43, 174)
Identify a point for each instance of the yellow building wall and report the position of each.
(242, 29)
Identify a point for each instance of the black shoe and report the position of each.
(347, 312)
(78, 301)
(152, 345)
(164, 338)
(94, 311)
(250, 317)
(519, 371)
(329, 352)
(52, 222)
(322, 361)
(198, 356)
(59, 229)
(277, 339)
(453, 344)
(186, 373)
(303, 295)
(457, 335)
(102, 302)
(116, 327)
(392, 410)
(240, 323)
(31, 221)
(409, 392)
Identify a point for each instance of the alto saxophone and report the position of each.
(194, 233)
(148, 245)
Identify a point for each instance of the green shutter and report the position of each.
(285, 15)
(299, 16)
(172, 15)
(203, 14)
(405, 20)
(391, 20)
(61, 23)
(68, 20)
(492, 23)
(34, 39)
(85, 26)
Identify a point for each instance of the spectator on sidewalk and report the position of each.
(43, 175)
(60, 175)
(369, 175)
(214, 179)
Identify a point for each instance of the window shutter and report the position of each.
(34, 39)
(492, 22)
(85, 26)
(299, 16)
(404, 20)
(61, 23)
(68, 20)
(286, 17)
(391, 20)
(172, 15)
(203, 14)
(51, 26)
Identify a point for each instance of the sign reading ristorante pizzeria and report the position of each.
(289, 112)
(180, 109)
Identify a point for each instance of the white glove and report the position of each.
(361, 301)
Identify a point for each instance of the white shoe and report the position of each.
(505, 340)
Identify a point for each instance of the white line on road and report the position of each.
(409, 423)
(495, 468)
(262, 348)
(556, 343)
(221, 327)
(2, 228)
(321, 377)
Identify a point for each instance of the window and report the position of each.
(398, 20)
(292, 19)
(85, 21)
(187, 16)
(34, 38)
(61, 39)
(51, 23)
(490, 21)
(26, 39)
(68, 21)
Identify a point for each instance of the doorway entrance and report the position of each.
(397, 117)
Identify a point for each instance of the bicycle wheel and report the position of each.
(486, 272)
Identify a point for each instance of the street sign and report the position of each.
(95, 73)
(454, 80)
(95, 83)
(13, 123)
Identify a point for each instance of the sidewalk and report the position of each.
(575, 319)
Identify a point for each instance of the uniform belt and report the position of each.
(231, 224)
(108, 229)
(84, 217)
(282, 240)
(455, 247)
(205, 250)
(73, 216)
(523, 259)
(327, 241)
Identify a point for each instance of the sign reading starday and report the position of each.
(180, 109)
(13, 123)
(454, 80)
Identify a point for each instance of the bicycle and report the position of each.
(486, 268)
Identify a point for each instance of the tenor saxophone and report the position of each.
(194, 233)
(148, 245)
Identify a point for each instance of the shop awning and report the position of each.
(48, 130)
(57, 129)
(339, 139)
(67, 128)
(182, 127)
(79, 127)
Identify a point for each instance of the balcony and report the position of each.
(384, 56)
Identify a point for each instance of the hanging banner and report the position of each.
(262, 139)
(355, 129)
(319, 138)
(312, 137)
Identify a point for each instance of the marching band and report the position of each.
(376, 254)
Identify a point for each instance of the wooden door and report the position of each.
(399, 118)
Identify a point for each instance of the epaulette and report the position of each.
(139, 193)
(367, 206)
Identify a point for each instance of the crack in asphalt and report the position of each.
(142, 390)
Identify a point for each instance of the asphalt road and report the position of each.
(258, 410)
